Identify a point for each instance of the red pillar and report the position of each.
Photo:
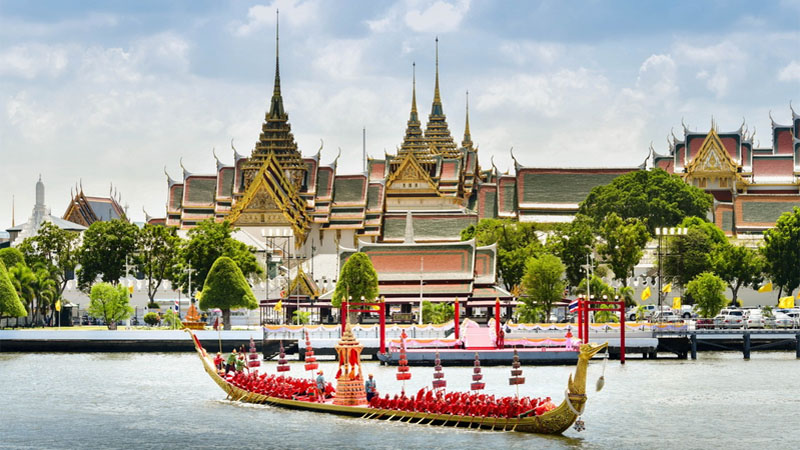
(497, 320)
(586, 322)
(343, 311)
(579, 320)
(622, 332)
(382, 313)
(456, 316)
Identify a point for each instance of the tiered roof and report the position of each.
(86, 210)
(276, 135)
(437, 133)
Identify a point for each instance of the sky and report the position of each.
(113, 92)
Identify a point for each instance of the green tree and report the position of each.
(106, 247)
(301, 317)
(22, 279)
(706, 290)
(572, 244)
(655, 197)
(437, 312)
(781, 252)
(543, 283)
(152, 318)
(516, 242)
(10, 304)
(11, 256)
(622, 244)
(356, 279)
(44, 288)
(171, 319)
(208, 242)
(226, 288)
(110, 303)
(156, 253)
(737, 266)
(55, 247)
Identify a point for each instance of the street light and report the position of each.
(661, 232)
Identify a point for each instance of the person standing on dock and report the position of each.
(320, 386)
(371, 387)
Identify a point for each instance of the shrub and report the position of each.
(152, 319)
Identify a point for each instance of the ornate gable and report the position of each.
(411, 176)
(271, 199)
(713, 166)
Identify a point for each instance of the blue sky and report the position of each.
(102, 92)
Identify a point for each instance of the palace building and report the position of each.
(417, 201)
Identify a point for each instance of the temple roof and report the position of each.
(437, 133)
(276, 132)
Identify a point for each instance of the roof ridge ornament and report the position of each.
(685, 128)
(516, 163)
(794, 114)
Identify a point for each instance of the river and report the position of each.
(151, 400)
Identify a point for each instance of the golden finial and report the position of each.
(436, 98)
(414, 87)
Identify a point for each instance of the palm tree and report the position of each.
(22, 279)
(44, 289)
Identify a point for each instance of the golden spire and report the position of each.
(276, 106)
(436, 109)
(414, 90)
(437, 133)
(467, 142)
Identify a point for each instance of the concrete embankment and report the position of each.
(122, 340)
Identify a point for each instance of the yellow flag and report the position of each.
(58, 305)
(667, 288)
(130, 290)
(278, 306)
(786, 302)
(646, 293)
(766, 288)
(676, 303)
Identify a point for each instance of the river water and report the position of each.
(167, 401)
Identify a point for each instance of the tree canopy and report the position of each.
(572, 243)
(706, 290)
(356, 279)
(55, 247)
(543, 283)
(781, 252)
(437, 312)
(10, 304)
(207, 243)
(11, 256)
(656, 197)
(516, 242)
(226, 288)
(110, 303)
(106, 244)
(738, 266)
(622, 243)
(156, 253)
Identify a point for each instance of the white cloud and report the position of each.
(30, 61)
(657, 76)
(791, 72)
(341, 58)
(295, 12)
(524, 52)
(439, 17)
(545, 94)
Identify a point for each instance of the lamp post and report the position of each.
(661, 233)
